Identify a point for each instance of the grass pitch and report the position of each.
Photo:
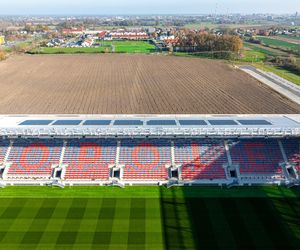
(149, 218)
(131, 46)
(104, 46)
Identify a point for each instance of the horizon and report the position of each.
(144, 14)
(135, 7)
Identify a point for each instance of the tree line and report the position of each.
(206, 42)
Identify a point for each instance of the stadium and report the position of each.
(145, 152)
(162, 150)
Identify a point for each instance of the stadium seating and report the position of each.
(201, 159)
(257, 157)
(3, 149)
(145, 160)
(292, 150)
(32, 158)
(89, 159)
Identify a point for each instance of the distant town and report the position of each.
(90, 31)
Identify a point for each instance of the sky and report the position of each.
(123, 7)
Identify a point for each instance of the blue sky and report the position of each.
(28, 7)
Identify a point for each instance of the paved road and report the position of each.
(281, 85)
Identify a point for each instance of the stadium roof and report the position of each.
(150, 125)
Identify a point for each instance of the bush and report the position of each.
(2, 55)
(253, 40)
(288, 63)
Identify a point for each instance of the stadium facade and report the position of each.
(149, 150)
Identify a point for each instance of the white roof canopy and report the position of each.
(149, 125)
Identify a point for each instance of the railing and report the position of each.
(150, 132)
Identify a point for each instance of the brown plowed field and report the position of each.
(131, 84)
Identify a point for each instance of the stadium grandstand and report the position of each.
(122, 150)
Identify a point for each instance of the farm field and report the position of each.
(132, 84)
(279, 43)
(149, 218)
(252, 55)
(211, 25)
(265, 50)
(291, 38)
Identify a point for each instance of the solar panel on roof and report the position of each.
(161, 123)
(192, 122)
(254, 122)
(36, 122)
(128, 123)
(222, 122)
(67, 122)
(96, 122)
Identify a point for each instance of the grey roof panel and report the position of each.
(36, 122)
(161, 123)
(223, 122)
(67, 122)
(128, 123)
(254, 122)
(96, 122)
(192, 122)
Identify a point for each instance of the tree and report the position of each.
(2, 55)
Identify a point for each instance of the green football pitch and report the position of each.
(106, 46)
(149, 218)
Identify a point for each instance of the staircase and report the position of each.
(173, 153)
(62, 154)
(116, 183)
(56, 183)
(234, 183)
(174, 183)
(8, 151)
(118, 153)
(292, 184)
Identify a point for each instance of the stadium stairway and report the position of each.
(4, 150)
(291, 148)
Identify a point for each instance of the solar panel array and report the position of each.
(67, 122)
(254, 122)
(161, 123)
(223, 122)
(128, 123)
(192, 122)
(152, 122)
(97, 123)
(36, 122)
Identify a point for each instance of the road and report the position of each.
(289, 89)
